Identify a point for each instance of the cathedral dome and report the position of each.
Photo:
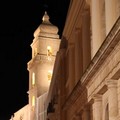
(46, 27)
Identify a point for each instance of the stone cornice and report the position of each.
(40, 58)
(32, 90)
(108, 45)
(42, 38)
(110, 42)
(111, 83)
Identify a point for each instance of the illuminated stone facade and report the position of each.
(45, 45)
(86, 77)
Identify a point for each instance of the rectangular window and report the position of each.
(33, 79)
(33, 101)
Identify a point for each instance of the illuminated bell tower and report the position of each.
(44, 48)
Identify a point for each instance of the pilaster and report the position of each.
(112, 98)
(86, 113)
(97, 32)
(97, 107)
(111, 13)
(71, 66)
(86, 38)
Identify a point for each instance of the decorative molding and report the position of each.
(111, 83)
(107, 47)
(40, 58)
(97, 97)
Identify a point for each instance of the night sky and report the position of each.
(18, 20)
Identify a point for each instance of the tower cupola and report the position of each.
(46, 28)
(45, 46)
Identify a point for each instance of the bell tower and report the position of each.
(44, 48)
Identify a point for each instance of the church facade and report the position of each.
(86, 80)
(76, 77)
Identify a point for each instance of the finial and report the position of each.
(11, 117)
(45, 12)
(45, 17)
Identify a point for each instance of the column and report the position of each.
(86, 38)
(78, 55)
(112, 99)
(51, 116)
(78, 116)
(111, 13)
(97, 107)
(118, 97)
(71, 66)
(97, 23)
(86, 113)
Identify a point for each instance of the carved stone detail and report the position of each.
(41, 59)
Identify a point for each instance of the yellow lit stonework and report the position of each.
(49, 75)
(35, 51)
(45, 17)
(49, 52)
(86, 75)
(33, 79)
(33, 101)
(40, 67)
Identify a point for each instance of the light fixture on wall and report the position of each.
(35, 51)
(49, 52)
(49, 75)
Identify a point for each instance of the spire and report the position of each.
(11, 117)
(46, 17)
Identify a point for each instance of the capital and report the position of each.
(111, 83)
(97, 97)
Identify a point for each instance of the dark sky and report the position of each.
(18, 20)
